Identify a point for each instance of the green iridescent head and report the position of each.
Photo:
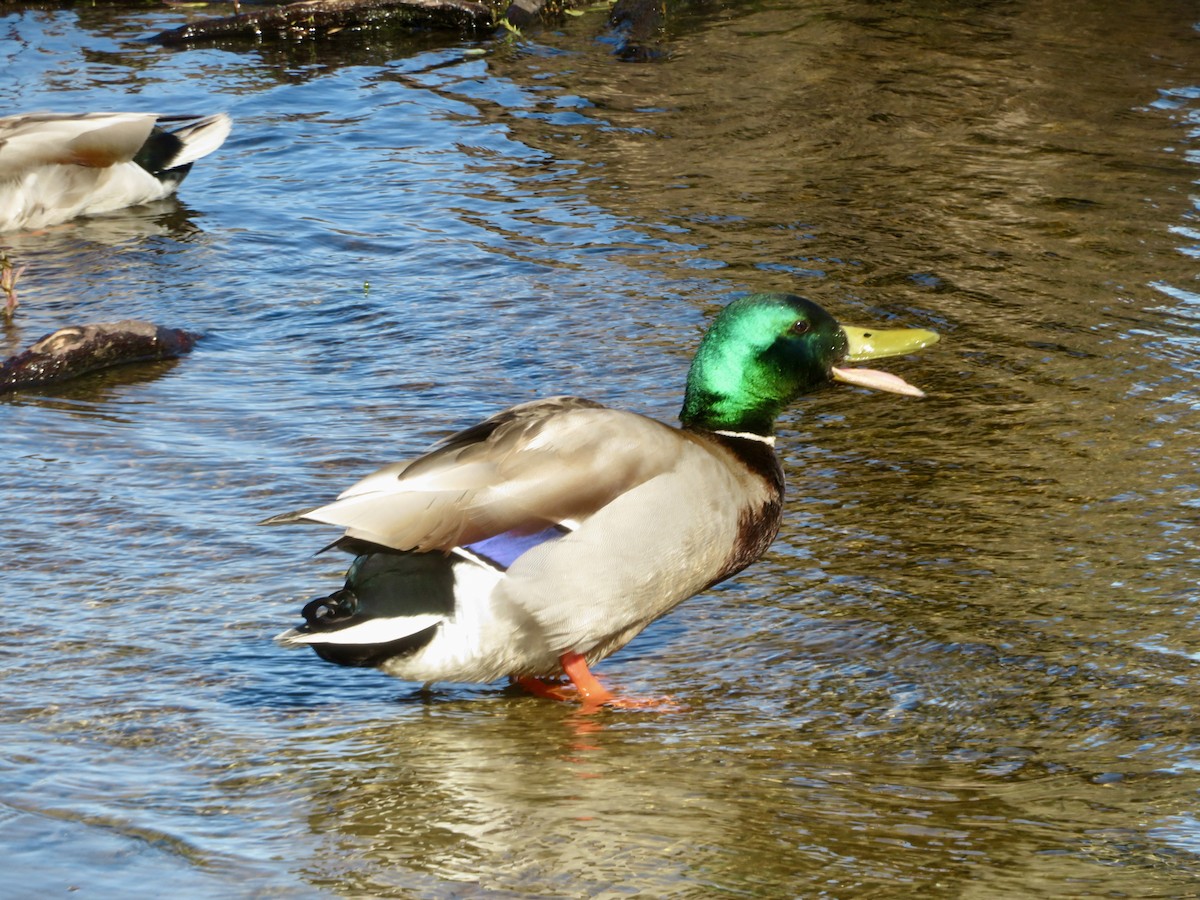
(765, 350)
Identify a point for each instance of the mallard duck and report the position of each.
(548, 536)
(54, 167)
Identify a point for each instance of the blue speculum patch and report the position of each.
(503, 549)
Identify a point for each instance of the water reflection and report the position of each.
(569, 807)
(90, 394)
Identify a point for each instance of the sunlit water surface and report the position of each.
(967, 669)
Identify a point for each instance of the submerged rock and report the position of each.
(79, 349)
(639, 27)
(309, 18)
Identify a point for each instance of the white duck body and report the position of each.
(54, 167)
(583, 477)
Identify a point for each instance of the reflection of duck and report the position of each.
(54, 167)
(548, 536)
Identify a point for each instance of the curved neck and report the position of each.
(737, 386)
(715, 411)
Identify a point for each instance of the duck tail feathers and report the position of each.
(392, 604)
(197, 137)
(337, 629)
(178, 141)
(291, 518)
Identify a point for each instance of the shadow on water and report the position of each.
(88, 394)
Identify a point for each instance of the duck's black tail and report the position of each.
(391, 605)
(178, 141)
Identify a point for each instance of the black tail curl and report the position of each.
(324, 613)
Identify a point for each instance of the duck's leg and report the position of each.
(592, 694)
(591, 691)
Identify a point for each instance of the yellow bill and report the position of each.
(878, 343)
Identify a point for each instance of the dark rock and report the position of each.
(639, 26)
(315, 18)
(79, 349)
(525, 13)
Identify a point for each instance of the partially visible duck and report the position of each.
(546, 537)
(54, 167)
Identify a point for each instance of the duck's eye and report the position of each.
(801, 327)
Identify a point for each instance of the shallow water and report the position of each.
(968, 667)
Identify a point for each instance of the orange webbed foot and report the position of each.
(545, 688)
(592, 695)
